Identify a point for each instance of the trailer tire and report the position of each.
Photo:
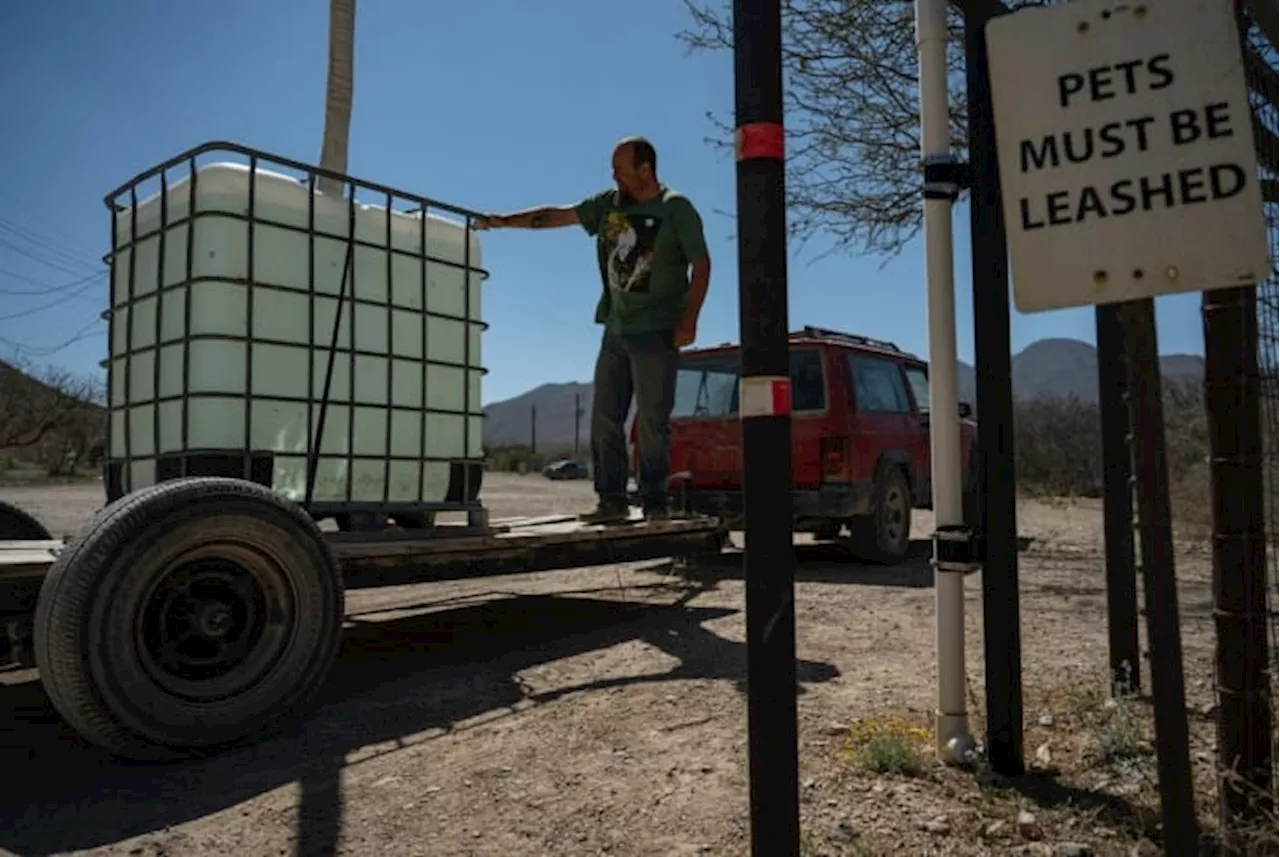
(18, 526)
(188, 616)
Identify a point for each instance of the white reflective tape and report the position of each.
(764, 396)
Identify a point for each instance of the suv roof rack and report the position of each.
(852, 338)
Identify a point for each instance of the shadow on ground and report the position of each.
(395, 678)
(826, 563)
(1046, 791)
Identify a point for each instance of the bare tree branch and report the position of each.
(852, 118)
(852, 112)
(43, 407)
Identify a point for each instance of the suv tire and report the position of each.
(884, 536)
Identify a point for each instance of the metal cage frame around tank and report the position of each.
(256, 466)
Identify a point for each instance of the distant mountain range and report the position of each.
(1047, 367)
(511, 421)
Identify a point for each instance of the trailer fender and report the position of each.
(19, 526)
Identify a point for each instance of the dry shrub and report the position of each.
(51, 417)
(889, 744)
(1058, 447)
(1191, 501)
(1058, 450)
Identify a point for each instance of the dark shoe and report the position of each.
(657, 513)
(607, 513)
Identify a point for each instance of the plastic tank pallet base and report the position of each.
(463, 492)
(327, 346)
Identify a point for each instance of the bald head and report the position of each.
(641, 151)
(635, 168)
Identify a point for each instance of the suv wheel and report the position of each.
(884, 536)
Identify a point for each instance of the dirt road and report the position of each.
(602, 711)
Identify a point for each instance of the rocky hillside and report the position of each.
(512, 421)
(49, 417)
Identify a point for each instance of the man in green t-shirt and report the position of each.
(654, 270)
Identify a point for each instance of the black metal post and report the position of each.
(1247, 794)
(1155, 538)
(1117, 505)
(1001, 617)
(766, 431)
(533, 428)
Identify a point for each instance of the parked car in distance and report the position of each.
(860, 444)
(566, 468)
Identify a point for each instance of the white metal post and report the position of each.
(951, 733)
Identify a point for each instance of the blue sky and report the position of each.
(491, 105)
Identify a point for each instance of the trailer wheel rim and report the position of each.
(214, 622)
(893, 514)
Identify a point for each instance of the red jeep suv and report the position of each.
(859, 440)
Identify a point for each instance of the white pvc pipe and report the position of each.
(951, 733)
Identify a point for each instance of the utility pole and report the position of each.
(339, 86)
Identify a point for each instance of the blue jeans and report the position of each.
(643, 364)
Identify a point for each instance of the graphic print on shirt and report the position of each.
(628, 244)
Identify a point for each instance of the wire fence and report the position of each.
(1261, 73)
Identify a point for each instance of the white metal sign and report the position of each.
(1127, 163)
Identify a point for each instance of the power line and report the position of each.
(51, 263)
(56, 255)
(85, 333)
(47, 289)
(53, 231)
(48, 245)
(91, 281)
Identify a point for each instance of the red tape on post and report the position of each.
(759, 140)
(764, 396)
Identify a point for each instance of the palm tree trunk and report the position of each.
(337, 103)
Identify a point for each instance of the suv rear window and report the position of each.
(919, 381)
(707, 386)
(878, 386)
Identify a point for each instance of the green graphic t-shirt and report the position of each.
(644, 251)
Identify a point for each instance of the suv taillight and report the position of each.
(835, 459)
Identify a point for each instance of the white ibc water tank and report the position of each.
(211, 362)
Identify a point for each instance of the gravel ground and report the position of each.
(602, 711)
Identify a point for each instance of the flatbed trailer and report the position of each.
(94, 614)
(508, 546)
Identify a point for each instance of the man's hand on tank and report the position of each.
(686, 333)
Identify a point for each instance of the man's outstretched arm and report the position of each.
(543, 217)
